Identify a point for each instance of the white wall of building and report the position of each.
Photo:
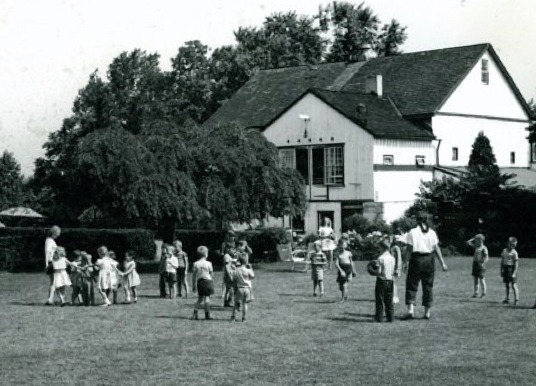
(396, 190)
(494, 99)
(327, 126)
(492, 108)
(505, 137)
(403, 151)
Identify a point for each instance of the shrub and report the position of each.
(22, 249)
(363, 226)
(262, 241)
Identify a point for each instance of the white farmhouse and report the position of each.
(364, 135)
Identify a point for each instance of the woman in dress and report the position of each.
(328, 238)
(50, 247)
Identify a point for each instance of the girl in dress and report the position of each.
(182, 271)
(327, 236)
(50, 246)
(131, 279)
(61, 277)
(107, 274)
(117, 277)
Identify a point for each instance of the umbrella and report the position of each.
(21, 212)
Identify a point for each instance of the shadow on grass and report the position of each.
(298, 295)
(353, 320)
(361, 300)
(478, 301)
(362, 315)
(151, 296)
(201, 319)
(324, 301)
(33, 304)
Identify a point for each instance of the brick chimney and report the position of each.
(374, 85)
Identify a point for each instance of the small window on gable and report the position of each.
(455, 154)
(485, 71)
(512, 157)
(388, 160)
(420, 161)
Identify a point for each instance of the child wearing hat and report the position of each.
(480, 258)
(384, 282)
(318, 265)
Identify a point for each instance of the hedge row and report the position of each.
(262, 242)
(22, 249)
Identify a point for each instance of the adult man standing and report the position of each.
(423, 244)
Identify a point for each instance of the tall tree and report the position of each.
(285, 39)
(357, 30)
(11, 181)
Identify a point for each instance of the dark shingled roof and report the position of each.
(417, 83)
(381, 119)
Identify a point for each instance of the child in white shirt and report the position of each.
(384, 282)
(480, 258)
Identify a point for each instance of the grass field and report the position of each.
(290, 337)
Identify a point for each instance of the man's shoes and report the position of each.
(408, 316)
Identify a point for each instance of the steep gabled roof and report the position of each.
(418, 83)
(270, 92)
(381, 118)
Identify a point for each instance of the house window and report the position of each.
(455, 154)
(287, 158)
(512, 157)
(328, 165)
(388, 160)
(419, 160)
(533, 151)
(485, 71)
(302, 162)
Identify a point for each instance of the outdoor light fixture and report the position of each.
(305, 118)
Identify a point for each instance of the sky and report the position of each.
(48, 48)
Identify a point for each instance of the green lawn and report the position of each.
(290, 337)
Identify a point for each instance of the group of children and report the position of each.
(173, 270)
(509, 267)
(85, 275)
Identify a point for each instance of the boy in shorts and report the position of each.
(318, 265)
(509, 265)
(480, 258)
(172, 264)
(242, 277)
(202, 282)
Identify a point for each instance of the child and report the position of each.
(172, 264)
(227, 283)
(345, 268)
(318, 265)
(509, 265)
(396, 251)
(182, 271)
(117, 274)
(131, 279)
(162, 272)
(86, 280)
(244, 250)
(479, 260)
(76, 277)
(107, 275)
(384, 282)
(61, 278)
(242, 279)
(202, 282)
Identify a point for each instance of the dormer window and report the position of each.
(455, 154)
(485, 71)
(420, 161)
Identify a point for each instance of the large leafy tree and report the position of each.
(357, 29)
(285, 39)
